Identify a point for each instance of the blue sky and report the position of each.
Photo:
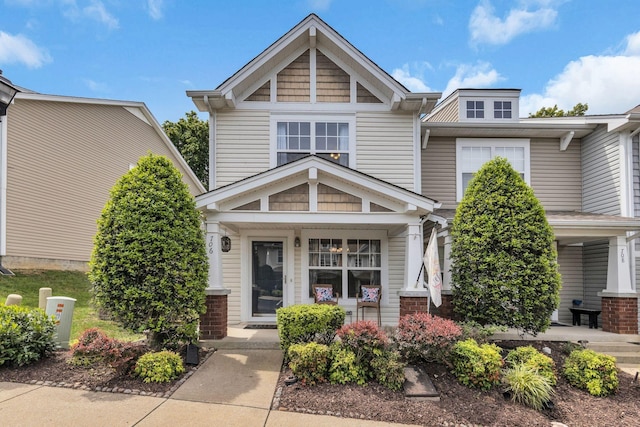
(558, 52)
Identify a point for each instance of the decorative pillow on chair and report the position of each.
(370, 294)
(324, 294)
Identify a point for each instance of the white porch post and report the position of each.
(214, 252)
(413, 259)
(619, 273)
(446, 280)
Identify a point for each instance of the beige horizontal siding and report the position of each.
(231, 281)
(385, 147)
(242, 145)
(556, 176)
(570, 266)
(601, 173)
(63, 158)
(439, 171)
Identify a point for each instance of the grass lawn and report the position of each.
(73, 284)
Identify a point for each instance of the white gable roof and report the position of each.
(313, 169)
(311, 32)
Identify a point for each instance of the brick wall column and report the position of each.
(620, 314)
(213, 323)
(446, 308)
(413, 301)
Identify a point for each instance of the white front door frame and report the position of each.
(247, 237)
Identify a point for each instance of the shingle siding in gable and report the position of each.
(385, 147)
(450, 113)
(601, 173)
(242, 145)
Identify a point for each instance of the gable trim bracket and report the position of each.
(565, 140)
(425, 139)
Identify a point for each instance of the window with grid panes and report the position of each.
(329, 140)
(346, 268)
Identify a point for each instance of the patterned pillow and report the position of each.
(370, 294)
(324, 294)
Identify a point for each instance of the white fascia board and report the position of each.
(78, 100)
(328, 218)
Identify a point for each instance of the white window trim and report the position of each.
(312, 118)
(488, 109)
(345, 236)
(493, 143)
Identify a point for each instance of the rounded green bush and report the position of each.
(26, 335)
(309, 362)
(159, 367)
(476, 365)
(591, 371)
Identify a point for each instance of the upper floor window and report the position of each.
(327, 139)
(475, 109)
(471, 154)
(502, 109)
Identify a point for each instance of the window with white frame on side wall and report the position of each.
(472, 153)
(331, 138)
(344, 260)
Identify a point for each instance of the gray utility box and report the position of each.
(62, 309)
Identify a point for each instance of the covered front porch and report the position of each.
(272, 236)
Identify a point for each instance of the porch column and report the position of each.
(619, 300)
(414, 297)
(213, 323)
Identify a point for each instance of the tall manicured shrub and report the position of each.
(504, 268)
(149, 265)
(26, 335)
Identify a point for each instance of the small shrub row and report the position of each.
(363, 353)
(26, 335)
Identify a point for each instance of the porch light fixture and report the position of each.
(225, 243)
(7, 92)
(296, 242)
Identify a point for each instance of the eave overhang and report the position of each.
(506, 130)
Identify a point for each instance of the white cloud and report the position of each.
(96, 86)
(95, 11)
(609, 84)
(155, 8)
(319, 5)
(412, 80)
(19, 49)
(476, 76)
(486, 27)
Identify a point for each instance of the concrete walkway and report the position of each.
(233, 387)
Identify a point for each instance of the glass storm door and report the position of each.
(267, 266)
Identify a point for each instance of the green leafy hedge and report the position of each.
(159, 367)
(26, 335)
(476, 365)
(307, 323)
(592, 371)
(309, 362)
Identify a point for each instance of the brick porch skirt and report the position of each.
(420, 304)
(620, 315)
(213, 323)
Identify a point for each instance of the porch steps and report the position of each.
(627, 354)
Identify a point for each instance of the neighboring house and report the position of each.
(60, 158)
(580, 168)
(324, 169)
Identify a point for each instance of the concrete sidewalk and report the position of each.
(233, 387)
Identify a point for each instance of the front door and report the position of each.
(267, 277)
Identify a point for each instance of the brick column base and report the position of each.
(213, 323)
(620, 315)
(446, 308)
(411, 305)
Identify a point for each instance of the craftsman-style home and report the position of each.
(326, 170)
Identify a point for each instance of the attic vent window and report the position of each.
(475, 109)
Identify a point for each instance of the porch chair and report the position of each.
(369, 296)
(323, 294)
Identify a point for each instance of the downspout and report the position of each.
(212, 144)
